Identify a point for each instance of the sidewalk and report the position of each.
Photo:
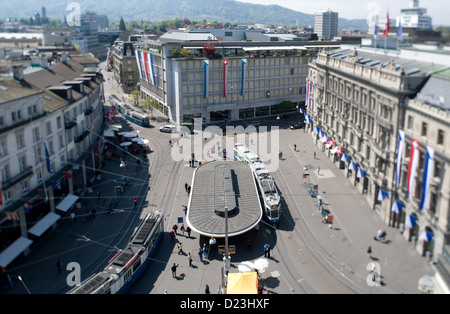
(89, 241)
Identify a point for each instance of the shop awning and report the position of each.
(14, 250)
(43, 224)
(67, 202)
(242, 283)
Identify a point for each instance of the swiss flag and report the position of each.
(386, 26)
(110, 115)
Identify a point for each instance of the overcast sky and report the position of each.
(439, 10)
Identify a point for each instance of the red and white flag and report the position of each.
(413, 161)
(386, 26)
(225, 77)
(110, 114)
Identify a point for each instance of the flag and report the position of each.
(361, 173)
(205, 78)
(307, 119)
(375, 33)
(139, 64)
(397, 207)
(314, 96)
(244, 69)
(382, 194)
(401, 143)
(410, 221)
(429, 163)
(426, 236)
(47, 158)
(225, 77)
(400, 32)
(308, 84)
(413, 161)
(151, 69)
(386, 26)
(144, 59)
(110, 114)
(345, 158)
(353, 166)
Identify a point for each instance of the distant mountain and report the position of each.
(157, 10)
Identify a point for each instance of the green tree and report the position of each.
(122, 26)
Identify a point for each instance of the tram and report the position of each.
(266, 185)
(128, 112)
(127, 265)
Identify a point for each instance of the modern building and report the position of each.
(415, 17)
(50, 121)
(360, 99)
(225, 81)
(326, 24)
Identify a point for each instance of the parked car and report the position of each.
(167, 128)
(297, 125)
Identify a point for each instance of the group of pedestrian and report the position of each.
(187, 188)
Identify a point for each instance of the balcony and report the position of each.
(88, 111)
(82, 136)
(25, 173)
(69, 124)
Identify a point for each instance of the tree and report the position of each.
(122, 26)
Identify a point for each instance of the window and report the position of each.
(36, 136)
(20, 140)
(25, 187)
(22, 163)
(424, 128)
(48, 126)
(59, 122)
(410, 122)
(440, 139)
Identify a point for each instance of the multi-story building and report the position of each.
(50, 121)
(231, 81)
(326, 24)
(360, 99)
(415, 17)
(125, 67)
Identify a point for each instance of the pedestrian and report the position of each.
(369, 251)
(175, 228)
(207, 290)
(172, 235)
(268, 250)
(249, 244)
(180, 248)
(314, 155)
(318, 170)
(72, 216)
(170, 143)
(189, 190)
(184, 209)
(186, 186)
(189, 259)
(135, 201)
(295, 147)
(205, 251)
(182, 230)
(174, 270)
(58, 265)
(188, 230)
(265, 250)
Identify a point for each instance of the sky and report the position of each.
(439, 10)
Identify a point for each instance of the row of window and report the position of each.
(424, 130)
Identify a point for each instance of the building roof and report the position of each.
(11, 89)
(220, 184)
(436, 92)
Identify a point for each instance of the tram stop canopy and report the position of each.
(242, 283)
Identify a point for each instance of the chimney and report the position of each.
(18, 72)
(44, 62)
(64, 56)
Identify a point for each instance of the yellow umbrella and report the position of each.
(242, 283)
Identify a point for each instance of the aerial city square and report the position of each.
(189, 150)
